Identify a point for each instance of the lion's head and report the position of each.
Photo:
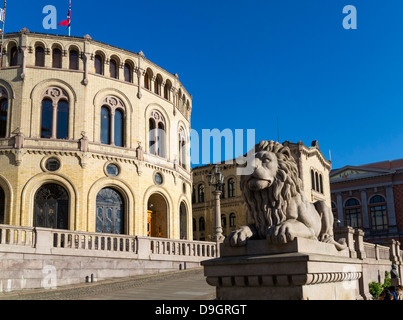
(273, 182)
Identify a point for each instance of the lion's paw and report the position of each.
(281, 234)
(238, 237)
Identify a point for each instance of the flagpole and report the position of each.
(70, 16)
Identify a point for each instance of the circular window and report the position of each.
(112, 170)
(52, 164)
(158, 178)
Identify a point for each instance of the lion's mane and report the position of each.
(268, 207)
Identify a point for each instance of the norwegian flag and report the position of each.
(67, 22)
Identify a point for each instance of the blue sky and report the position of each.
(249, 63)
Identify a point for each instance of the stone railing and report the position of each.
(17, 236)
(52, 241)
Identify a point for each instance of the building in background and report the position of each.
(314, 172)
(370, 197)
(78, 145)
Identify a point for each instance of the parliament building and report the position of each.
(92, 138)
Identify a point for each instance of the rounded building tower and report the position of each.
(92, 138)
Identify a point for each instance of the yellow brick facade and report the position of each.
(82, 156)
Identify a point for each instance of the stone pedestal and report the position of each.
(301, 270)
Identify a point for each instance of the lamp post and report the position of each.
(216, 179)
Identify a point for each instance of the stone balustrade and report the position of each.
(28, 252)
(77, 242)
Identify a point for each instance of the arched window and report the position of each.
(379, 217)
(99, 64)
(157, 134)
(147, 79)
(39, 56)
(182, 148)
(110, 212)
(316, 182)
(105, 125)
(128, 71)
(200, 193)
(231, 188)
(202, 225)
(55, 114)
(232, 220)
(13, 56)
(112, 121)
(352, 211)
(167, 90)
(113, 69)
(51, 207)
(157, 84)
(3, 115)
(56, 58)
(73, 60)
(194, 225)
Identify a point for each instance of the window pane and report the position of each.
(57, 58)
(13, 56)
(146, 81)
(112, 69)
(3, 117)
(62, 120)
(47, 115)
(98, 64)
(39, 57)
(73, 60)
(128, 73)
(152, 136)
(161, 139)
(105, 126)
(119, 128)
(377, 199)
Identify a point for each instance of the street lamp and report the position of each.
(216, 179)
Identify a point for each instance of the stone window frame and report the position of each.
(114, 104)
(182, 156)
(158, 118)
(317, 181)
(232, 220)
(56, 95)
(201, 193)
(385, 212)
(231, 187)
(45, 159)
(353, 207)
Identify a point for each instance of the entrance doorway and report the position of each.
(157, 216)
(51, 207)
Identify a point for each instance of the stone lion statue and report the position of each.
(277, 206)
